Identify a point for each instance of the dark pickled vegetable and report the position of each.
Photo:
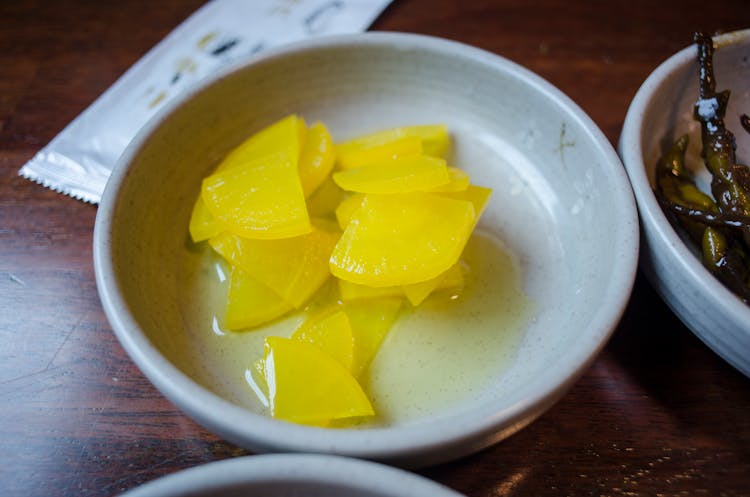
(720, 222)
(745, 122)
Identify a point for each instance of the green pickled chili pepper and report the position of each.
(675, 183)
(714, 247)
(727, 261)
(675, 187)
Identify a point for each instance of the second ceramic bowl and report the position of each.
(661, 111)
(288, 475)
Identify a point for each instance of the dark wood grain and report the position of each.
(657, 414)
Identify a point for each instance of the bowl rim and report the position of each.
(293, 470)
(631, 150)
(413, 444)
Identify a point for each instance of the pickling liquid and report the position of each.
(435, 356)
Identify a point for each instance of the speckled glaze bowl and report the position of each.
(662, 111)
(561, 203)
(286, 475)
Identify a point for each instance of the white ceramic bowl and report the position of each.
(284, 475)
(561, 202)
(660, 112)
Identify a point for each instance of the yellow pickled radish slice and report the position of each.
(294, 268)
(402, 239)
(352, 291)
(306, 385)
(417, 292)
(399, 175)
(435, 139)
(285, 136)
(331, 332)
(251, 303)
(347, 207)
(316, 158)
(459, 181)
(322, 203)
(261, 198)
(301, 134)
(370, 321)
(203, 225)
(479, 196)
(351, 155)
(329, 226)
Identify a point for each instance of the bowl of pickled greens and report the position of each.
(686, 145)
(386, 246)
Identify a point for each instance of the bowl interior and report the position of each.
(561, 205)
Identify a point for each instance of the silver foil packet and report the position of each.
(79, 160)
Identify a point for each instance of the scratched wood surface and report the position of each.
(657, 414)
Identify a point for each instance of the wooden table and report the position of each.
(657, 414)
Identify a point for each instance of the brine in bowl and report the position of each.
(552, 258)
